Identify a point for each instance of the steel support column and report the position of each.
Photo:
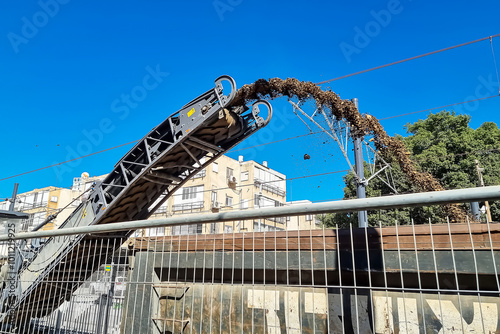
(360, 174)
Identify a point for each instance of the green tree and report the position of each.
(444, 145)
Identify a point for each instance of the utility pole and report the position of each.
(360, 174)
(14, 195)
(476, 213)
(481, 181)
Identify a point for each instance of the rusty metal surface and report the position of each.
(217, 308)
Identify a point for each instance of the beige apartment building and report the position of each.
(40, 203)
(224, 185)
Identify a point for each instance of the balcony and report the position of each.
(279, 220)
(268, 186)
(188, 206)
(201, 173)
(22, 206)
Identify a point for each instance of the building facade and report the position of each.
(43, 202)
(227, 185)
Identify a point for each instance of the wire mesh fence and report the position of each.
(289, 275)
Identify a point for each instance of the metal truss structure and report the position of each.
(339, 131)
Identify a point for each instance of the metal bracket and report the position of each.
(225, 100)
(259, 121)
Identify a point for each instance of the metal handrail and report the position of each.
(384, 202)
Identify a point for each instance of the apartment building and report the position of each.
(224, 185)
(40, 203)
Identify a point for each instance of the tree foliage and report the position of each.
(444, 145)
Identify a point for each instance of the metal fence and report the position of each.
(307, 278)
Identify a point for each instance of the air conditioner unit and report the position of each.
(216, 206)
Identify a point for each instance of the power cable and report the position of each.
(267, 182)
(245, 148)
(253, 184)
(440, 107)
(318, 83)
(420, 159)
(380, 119)
(250, 147)
(273, 142)
(408, 59)
(64, 162)
(49, 210)
(495, 62)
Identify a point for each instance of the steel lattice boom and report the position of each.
(159, 164)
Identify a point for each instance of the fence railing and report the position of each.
(406, 278)
(268, 186)
(188, 206)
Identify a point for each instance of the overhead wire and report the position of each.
(64, 162)
(318, 83)
(50, 210)
(380, 119)
(492, 150)
(253, 184)
(273, 181)
(440, 107)
(276, 141)
(250, 147)
(495, 62)
(408, 59)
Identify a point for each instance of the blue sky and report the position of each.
(66, 65)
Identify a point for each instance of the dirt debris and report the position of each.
(360, 125)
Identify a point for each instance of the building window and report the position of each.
(309, 217)
(215, 167)
(264, 202)
(189, 193)
(256, 200)
(229, 201)
(244, 204)
(214, 196)
(201, 173)
(53, 199)
(229, 172)
(244, 176)
(187, 229)
(269, 182)
(162, 209)
(189, 206)
(261, 227)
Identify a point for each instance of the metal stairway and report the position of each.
(159, 164)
